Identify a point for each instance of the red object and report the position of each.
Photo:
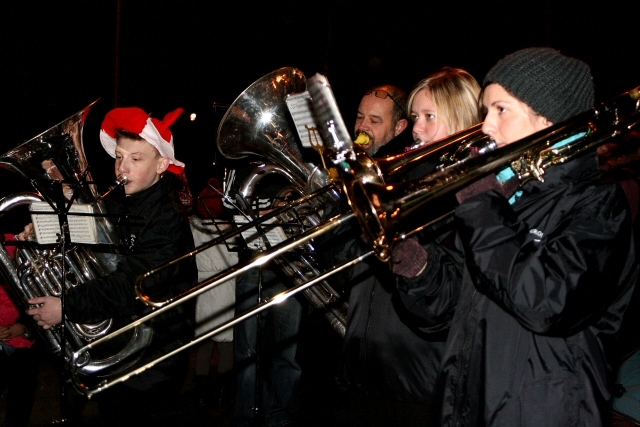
(9, 312)
(210, 200)
(135, 120)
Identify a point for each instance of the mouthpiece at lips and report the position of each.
(122, 180)
(416, 144)
(362, 139)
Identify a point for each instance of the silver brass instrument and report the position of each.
(257, 124)
(395, 211)
(55, 164)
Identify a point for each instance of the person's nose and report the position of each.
(488, 126)
(363, 126)
(418, 127)
(122, 167)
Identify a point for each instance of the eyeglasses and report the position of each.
(382, 94)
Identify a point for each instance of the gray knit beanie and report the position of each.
(552, 84)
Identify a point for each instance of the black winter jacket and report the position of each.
(545, 280)
(154, 232)
(385, 353)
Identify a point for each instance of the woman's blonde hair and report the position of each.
(455, 93)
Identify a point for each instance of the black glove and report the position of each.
(408, 258)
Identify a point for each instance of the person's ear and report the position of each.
(543, 123)
(401, 125)
(163, 165)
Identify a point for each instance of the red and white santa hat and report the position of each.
(155, 132)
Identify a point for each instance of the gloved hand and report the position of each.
(489, 182)
(408, 258)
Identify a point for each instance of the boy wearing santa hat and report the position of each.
(154, 232)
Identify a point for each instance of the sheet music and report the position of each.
(82, 229)
(300, 108)
(253, 239)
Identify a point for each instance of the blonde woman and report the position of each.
(442, 104)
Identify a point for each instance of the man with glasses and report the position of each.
(381, 117)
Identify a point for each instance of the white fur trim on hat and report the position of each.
(154, 131)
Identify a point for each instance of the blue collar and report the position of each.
(508, 173)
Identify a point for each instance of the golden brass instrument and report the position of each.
(447, 146)
(384, 212)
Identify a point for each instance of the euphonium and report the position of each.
(55, 164)
(385, 212)
(257, 123)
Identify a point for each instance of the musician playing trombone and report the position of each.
(388, 364)
(549, 267)
(381, 120)
(154, 232)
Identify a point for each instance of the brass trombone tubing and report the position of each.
(220, 239)
(223, 277)
(158, 304)
(383, 211)
(204, 286)
(277, 299)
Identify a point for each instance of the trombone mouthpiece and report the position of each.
(489, 146)
(362, 139)
(416, 144)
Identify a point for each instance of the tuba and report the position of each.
(55, 164)
(257, 124)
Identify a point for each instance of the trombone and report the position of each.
(388, 213)
(363, 167)
(204, 286)
(383, 211)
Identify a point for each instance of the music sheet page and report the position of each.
(300, 108)
(274, 234)
(82, 229)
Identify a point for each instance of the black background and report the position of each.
(59, 56)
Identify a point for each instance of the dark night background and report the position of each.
(59, 56)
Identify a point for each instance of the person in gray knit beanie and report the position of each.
(552, 84)
(534, 281)
(532, 89)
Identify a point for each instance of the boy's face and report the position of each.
(140, 162)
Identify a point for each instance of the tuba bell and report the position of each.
(55, 164)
